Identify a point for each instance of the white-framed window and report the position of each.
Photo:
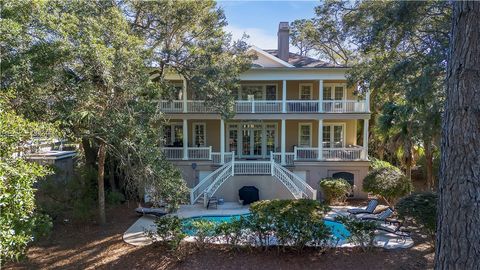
(257, 92)
(173, 135)
(305, 134)
(305, 91)
(334, 135)
(199, 134)
(334, 91)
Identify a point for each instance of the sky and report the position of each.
(259, 19)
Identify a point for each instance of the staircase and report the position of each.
(210, 184)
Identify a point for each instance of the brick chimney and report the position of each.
(283, 42)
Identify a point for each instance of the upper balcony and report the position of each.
(270, 106)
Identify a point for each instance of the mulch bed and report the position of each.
(91, 246)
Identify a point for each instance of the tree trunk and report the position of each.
(429, 165)
(458, 230)
(111, 173)
(101, 186)
(90, 153)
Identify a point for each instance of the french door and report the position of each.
(252, 140)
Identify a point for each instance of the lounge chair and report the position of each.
(372, 204)
(158, 212)
(382, 216)
(393, 226)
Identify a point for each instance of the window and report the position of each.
(334, 92)
(305, 135)
(327, 93)
(271, 92)
(258, 92)
(199, 134)
(173, 135)
(334, 135)
(305, 91)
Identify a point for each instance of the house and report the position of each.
(296, 122)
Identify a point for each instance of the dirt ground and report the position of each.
(90, 246)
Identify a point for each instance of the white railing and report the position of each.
(200, 188)
(298, 187)
(344, 106)
(289, 158)
(171, 106)
(305, 153)
(216, 157)
(199, 153)
(221, 178)
(252, 167)
(353, 153)
(173, 153)
(270, 106)
(302, 106)
(311, 153)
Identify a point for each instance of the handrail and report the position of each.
(198, 190)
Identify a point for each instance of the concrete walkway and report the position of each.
(135, 235)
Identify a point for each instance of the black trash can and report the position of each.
(248, 194)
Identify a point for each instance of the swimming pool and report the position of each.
(339, 232)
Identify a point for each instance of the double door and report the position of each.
(252, 140)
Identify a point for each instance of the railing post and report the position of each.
(253, 104)
(191, 197)
(320, 139)
(210, 153)
(272, 161)
(185, 139)
(282, 145)
(295, 153)
(365, 139)
(222, 141)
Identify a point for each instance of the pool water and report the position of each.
(339, 232)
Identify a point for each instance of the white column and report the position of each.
(185, 139)
(320, 139)
(367, 101)
(222, 141)
(184, 95)
(365, 139)
(284, 96)
(282, 146)
(320, 96)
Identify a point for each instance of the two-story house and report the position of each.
(296, 122)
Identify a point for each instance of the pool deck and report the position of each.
(135, 235)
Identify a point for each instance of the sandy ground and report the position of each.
(90, 246)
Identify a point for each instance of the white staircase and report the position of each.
(210, 184)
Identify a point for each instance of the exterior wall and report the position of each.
(269, 188)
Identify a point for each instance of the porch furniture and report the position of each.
(382, 216)
(372, 204)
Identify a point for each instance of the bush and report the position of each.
(421, 209)
(204, 230)
(362, 232)
(335, 189)
(234, 232)
(376, 164)
(169, 231)
(115, 198)
(388, 182)
(292, 222)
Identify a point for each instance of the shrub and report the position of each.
(204, 230)
(335, 189)
(389, 183)
(376, 164)
(421, 209)
(115, 198)
(362, 232)
(293, 222)
(234, 232)
(169, 231)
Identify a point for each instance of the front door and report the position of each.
(255, 140)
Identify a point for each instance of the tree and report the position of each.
(19, 221)
(458, 235)
(299, 30)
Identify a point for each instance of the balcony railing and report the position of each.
(269, 106)
(331, 154)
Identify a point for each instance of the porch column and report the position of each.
(367, 101)
(365, 139)
(320, 96)
(184, 95)
(320, 139)
(185, 139)
(282, 146)
(222, 141)
(284, 96)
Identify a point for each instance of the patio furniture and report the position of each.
(393, 226)
(372, 204)
(382, 216)
(248, 194)
(158, 212)
(213, 201)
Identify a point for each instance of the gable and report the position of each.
(267, 60)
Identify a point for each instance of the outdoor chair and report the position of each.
(158, 212)
(382, 216)
(372, 204)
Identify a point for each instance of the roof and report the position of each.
(301, 61)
